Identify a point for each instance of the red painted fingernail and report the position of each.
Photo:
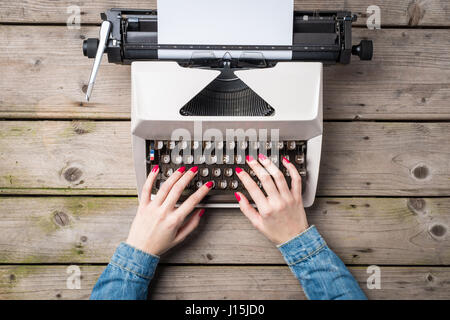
(262, 157)
(182, 169)
(238, 170)
(238, 197)
(209, 184)
(249, 158)
(194, 169)
(201, 213)
(284, 158)
(155, 168)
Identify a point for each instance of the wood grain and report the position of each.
(94, 157)
(44, 76)
(409, 77)
(398, 13)
(205, 283)
(361, 231)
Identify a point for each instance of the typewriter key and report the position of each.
(223, 184)
(302, 172)
(234, 184)
(189, 159)
(252, 173)
(159, 145)
(300, 158)
(168, 172)
(226, 159)
(204, 172)
(208, 144)
(171, 145)
(239, 159)
(228, 172)
(231, 145)
(178, 159)
(217, 172)
(254, 145)
(200, 159)
(280, 145)
(213, 159)
(243, 145)
(183, 144)
(274, 159)
(219, 145)
(165, 158)
(198, 184)
(195, 145)
(291, 145)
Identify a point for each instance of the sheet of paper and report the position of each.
(224, 22)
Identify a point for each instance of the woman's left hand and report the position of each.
(158, 225)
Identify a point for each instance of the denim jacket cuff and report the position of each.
(135, 261)
(302, 246)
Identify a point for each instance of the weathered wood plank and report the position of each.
(409, 77)
(401, 12)
(94, 157)
(361, 231)
(204, 283)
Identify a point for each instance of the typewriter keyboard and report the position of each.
(217, 162)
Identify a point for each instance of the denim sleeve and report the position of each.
(127, 275)
(321, 273)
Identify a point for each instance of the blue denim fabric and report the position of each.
(127, 275)
(321, 273)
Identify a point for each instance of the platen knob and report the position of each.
(90, 47)
(364, 50)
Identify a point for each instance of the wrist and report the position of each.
(290, 235)
(148, 249)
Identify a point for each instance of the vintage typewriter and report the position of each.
(211, 105)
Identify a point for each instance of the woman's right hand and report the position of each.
(280, 215)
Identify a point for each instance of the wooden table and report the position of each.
(67, 183)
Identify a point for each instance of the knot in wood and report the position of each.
(421, 172)
(60, 218)
(415, 13)
(416, 205)
(72, 174)
(438, 230)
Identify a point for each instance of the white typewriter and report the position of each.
(208, 94)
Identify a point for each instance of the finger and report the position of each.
(296, 180)
(264, 177)
(248, 210)
(252, 188)
(178, 187)
(167, 185)
(189, 226)
(147, 188)
(278, 177)
(189, 204)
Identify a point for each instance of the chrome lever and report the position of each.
(103, 41)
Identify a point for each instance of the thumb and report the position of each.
(248, 210)
(189, 225)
